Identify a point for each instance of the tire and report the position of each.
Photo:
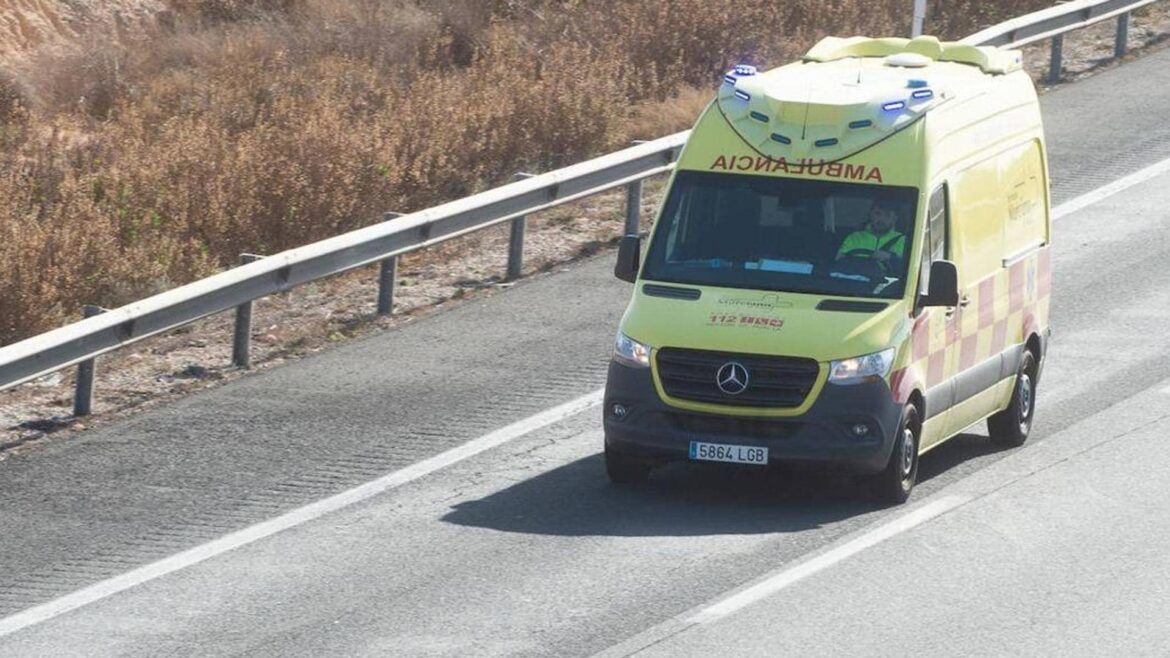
(1010, 427)
(624, 470)
(894, 483)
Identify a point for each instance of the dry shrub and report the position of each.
(13, 97)
(678, 112)
(138, 163)
(67, 239)
(230, 11)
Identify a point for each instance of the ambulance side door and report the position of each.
(980, 208)
(935, 350)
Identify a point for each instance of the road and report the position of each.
(526, 548)
(1059, 551)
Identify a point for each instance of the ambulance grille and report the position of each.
(773, 381)
(752, 428)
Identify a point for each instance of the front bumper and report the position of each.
(656, 432)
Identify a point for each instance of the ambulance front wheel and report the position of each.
(894, 484)
(625, 470)
(1010, 427)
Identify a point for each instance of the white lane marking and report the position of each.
(776, 582)
(1101, 193)
(299, 516)
(770, 584)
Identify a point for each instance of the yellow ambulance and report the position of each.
(851, 265)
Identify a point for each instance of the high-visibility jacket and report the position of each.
(892, 241)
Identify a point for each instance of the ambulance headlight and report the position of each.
(630, 352)
(861, 369)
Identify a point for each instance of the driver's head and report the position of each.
(882, 217)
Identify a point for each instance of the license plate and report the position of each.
(718, 452)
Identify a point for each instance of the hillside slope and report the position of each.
(28, 24)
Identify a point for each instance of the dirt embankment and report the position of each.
(26, 25)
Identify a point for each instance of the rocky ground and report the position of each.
(315, 316)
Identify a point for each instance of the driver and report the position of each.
(879, 239)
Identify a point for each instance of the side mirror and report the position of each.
(943, 289)
(629, 255)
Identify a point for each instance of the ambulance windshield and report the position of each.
(786, 234)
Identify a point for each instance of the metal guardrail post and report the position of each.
(516, 241)
(387, 276)
(516, 247)
(1056, 63)
(242, 339)
(633, 208)
(86, 370)
(919, 18)
(1121, 45)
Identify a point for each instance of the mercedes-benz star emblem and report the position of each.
(732, 378)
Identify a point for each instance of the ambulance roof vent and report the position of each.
(908, 60)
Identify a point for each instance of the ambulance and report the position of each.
(851, 265)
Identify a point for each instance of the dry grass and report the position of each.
(140, 160)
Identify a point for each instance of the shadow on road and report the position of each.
(956, 459)
(693, 500)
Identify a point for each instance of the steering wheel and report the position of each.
(852, 263)
(860, 252)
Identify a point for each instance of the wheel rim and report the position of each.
(1024, 398)
(907, 453)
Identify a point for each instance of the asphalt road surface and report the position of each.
(525, 548)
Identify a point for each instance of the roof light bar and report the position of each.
(739, 71)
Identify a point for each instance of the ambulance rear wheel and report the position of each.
(894, 484)
(1010, 427)
(625, 470)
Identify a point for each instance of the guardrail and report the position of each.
(262, 276)
(1054, 22)
(103, 331)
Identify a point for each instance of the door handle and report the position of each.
(964, 301)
